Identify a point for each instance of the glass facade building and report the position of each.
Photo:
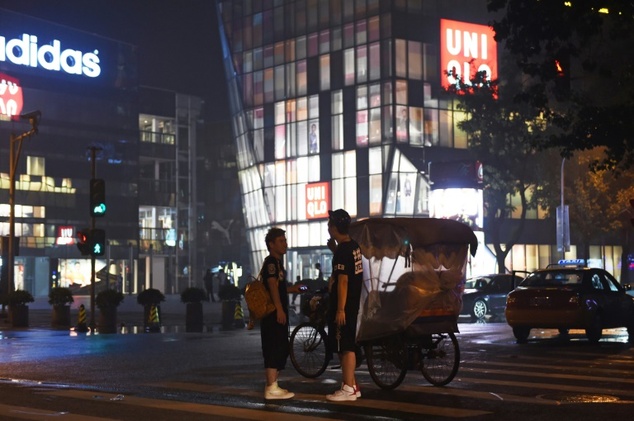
(341, 104)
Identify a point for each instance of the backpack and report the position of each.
(258, 299)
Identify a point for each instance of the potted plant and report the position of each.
(107, 302)
(193, 297)
(60, 298)
(18, 309)
(151, 299)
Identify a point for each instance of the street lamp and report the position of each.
(14, 157)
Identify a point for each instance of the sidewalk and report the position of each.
(129, 313)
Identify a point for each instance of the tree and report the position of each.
(502, 135)
(579, 64)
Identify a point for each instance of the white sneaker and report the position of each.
(275, 392)
(346, 393)
(357, 391)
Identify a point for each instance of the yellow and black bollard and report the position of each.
(81, 320)
(238, 316)
(153, 322)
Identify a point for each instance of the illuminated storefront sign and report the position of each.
(317, 200)
(65, 235)
(26, 51)
(11, 100)
(466, 48)
(464, 205)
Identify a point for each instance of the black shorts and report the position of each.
(274, 342)
(347, 333)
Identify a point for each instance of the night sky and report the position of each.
(178, 39)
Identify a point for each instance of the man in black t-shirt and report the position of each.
(345, 294)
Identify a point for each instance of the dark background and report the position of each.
(178, 40)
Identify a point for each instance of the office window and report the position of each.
(324, 42)
(279, 83)
(362, 64)
(415, 60)
(336, 39)
(401, 92)
(36, 165)
(290, 50)
(268, 56)
(374, 32)
(401, 58)
(300, 48)
(280, 112)
(258, 59)
(302, 79)
(280, 141)
(313, 44)
(290, 80)
(247, 62)
(348, 67)
(324, 72)
(375, 61)
(362, 97)
(336, 109)
(302, 138)
(268, 85)
(258, 88)
(362, 32)
(279, 53)
(362, 128)
(344, 183)
(374, 131)
(348, 35)
(302, 108)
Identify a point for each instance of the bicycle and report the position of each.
(309, 341)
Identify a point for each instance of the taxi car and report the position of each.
(486, 294)
(565, 296)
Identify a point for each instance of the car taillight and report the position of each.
(510, 300)
(574, 300)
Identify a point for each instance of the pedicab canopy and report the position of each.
(414, 274)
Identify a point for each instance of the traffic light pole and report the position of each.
(93, 152)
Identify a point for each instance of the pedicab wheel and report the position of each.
(308, 350)
(387, 361)
(440, 358)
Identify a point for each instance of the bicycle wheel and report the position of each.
(440, 358)
(387, 361)
(308, 350)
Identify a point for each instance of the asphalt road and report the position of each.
(218, 374)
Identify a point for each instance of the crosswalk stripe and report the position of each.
(362, 403)
(24, 413)
(197, 408)
(552, 375)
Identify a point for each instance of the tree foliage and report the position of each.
(590, 96)
(503, 134)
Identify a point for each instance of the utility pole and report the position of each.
(14, 157)
(93, 152)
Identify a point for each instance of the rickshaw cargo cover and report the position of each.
(414, 274)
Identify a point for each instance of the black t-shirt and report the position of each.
(272, 268)
(347, 260)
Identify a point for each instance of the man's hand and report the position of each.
(332, 244)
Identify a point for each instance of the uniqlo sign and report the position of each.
(466, 48)
(317, 200)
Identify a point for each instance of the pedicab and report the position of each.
(414, 275)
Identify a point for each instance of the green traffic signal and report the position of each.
(98, 242)
(97, 197)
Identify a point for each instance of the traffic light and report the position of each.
(91, 242)
(97, 197)
(98, 243)
(83, 241)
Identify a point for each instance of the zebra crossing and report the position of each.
(555, 382)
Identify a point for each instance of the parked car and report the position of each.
(569, 297)
(487, 294)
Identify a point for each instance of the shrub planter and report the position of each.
(61, 316)
(194, 317)
(18, 308)
(19, 315)
(193, 298)
(60, 299)
(107, 301)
